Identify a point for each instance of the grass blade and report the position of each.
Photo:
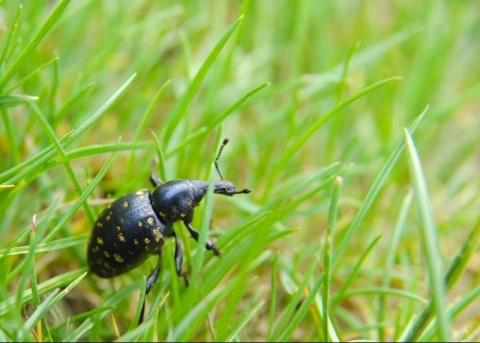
(430, 244)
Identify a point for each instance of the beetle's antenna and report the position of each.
(225, 141)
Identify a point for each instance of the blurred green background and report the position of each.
(307, 91)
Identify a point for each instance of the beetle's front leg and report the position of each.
(208, 244)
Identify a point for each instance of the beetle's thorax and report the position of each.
(175, 200)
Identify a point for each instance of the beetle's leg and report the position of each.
(208, 244)
(178, 255)
(179, 259)
(152, 278)
(155, 180)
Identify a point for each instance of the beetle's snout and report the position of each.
(228, 188)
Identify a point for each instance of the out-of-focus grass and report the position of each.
(380, 98)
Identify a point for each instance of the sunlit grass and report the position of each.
(353, 124)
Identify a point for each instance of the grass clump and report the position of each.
(353, 124)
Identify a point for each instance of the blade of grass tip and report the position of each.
(46, 154)
(145, 118)
(390, 260)
(273, 294)
(327, 272)
(182, 104)
(244, 321)
(11, 35)
(41, 33)
(215, 122)
(430, 244)
(63, 156)
(374, 191)
(15, 100)
(83, 197)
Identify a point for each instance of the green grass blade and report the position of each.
(390, 260)
(244, 321)
(31, 46)
(62, 154)
(298, 142)
(353, 274)
(430, 243)
(182, 104)
(36, 162)
(43, 288)
(46, 306)
(374, 191)
(83, 197)
(217, 121)
(327, 271)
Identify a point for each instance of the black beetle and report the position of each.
(134, 226)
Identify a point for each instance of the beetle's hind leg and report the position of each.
(179, 260)
(208, 244)
(151, 280)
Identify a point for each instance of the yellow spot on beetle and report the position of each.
(119, 228)
(125, 204)
(147, 240)
(139, 223)
(99, 240)
(99, 224)
(106, 254)
(150, 220)
(157, 233)
(136, 241)
(118, 258)
(121, 237)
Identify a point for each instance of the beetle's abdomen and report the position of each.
(125, 234)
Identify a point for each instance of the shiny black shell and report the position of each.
(125, 234)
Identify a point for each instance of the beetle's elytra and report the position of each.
(134, 226)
